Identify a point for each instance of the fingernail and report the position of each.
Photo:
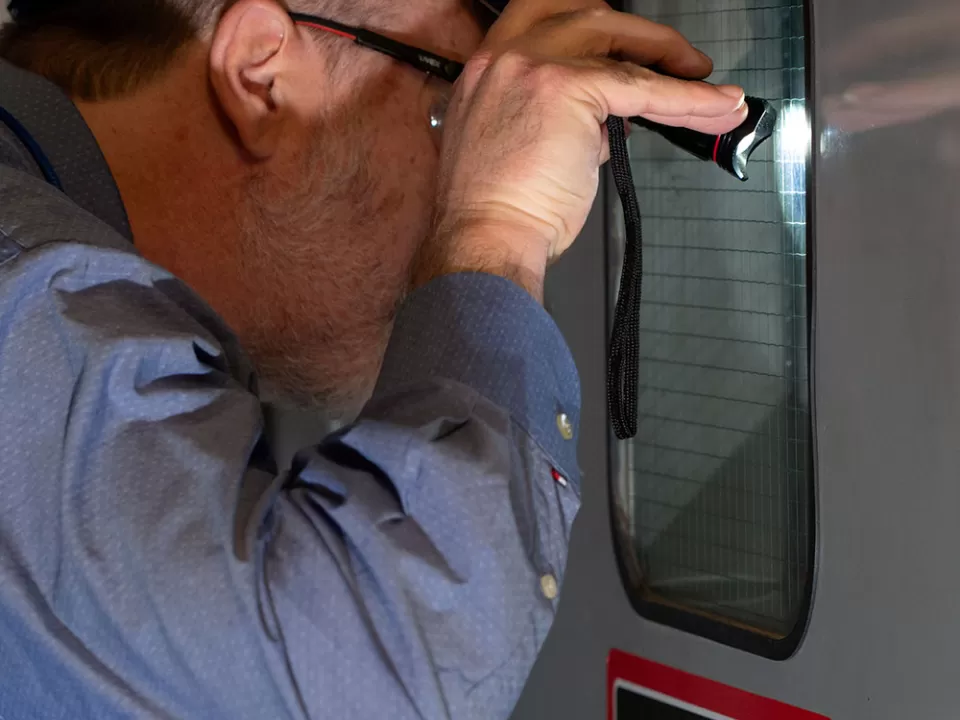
(734, 91)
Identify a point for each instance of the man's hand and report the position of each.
(524, 137)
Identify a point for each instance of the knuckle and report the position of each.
(536, 78)
(548, 79)
(476, 66)
(513, 65)
(590, 15)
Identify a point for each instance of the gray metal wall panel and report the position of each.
(885, 628)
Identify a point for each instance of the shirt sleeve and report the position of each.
(153, 563)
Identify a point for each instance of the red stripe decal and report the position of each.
(694, 690)
(716, 146)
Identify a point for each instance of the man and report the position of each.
(220, 179)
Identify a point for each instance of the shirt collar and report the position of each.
(60, 130)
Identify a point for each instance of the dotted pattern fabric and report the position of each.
(152, 562)
(56, 124)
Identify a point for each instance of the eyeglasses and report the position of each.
(422, 60)
(433, 65)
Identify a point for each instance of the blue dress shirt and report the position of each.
(154, 563)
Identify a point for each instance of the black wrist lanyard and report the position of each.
(731, 151)
(33, 147)
(623, 364)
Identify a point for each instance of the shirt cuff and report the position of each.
(487, 333)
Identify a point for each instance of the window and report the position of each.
(715, 496)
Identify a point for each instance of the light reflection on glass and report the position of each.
(792, 148)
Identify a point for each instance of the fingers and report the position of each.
(601, 32)
(624, 89)
(605, 33)
(710, 126)
(521, 15)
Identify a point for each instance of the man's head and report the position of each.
(286, 174)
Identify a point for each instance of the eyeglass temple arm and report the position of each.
(422, 60)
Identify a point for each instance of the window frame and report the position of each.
(727, 631)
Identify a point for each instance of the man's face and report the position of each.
(330, 231)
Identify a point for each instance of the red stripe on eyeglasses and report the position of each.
(317, 26)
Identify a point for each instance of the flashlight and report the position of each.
(732, 150)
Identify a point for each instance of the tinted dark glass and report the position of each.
(633, 706)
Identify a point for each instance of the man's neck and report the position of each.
(176, 168)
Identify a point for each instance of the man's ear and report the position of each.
(249, 61)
